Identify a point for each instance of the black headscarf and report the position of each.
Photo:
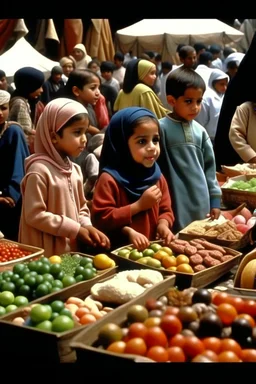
(116, 158)
(241, 88)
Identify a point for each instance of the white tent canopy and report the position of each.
(164, 35)
(22, 54)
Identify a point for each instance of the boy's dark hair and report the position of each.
(205, 57)
(185, 50)
(107, 66)
(181, 79)
(227, 51)
(95, 60)
(79, 78)
(78, 117)
(167, 65)
(119, 56)
(215, 48)
(151, 54)
(199, 46)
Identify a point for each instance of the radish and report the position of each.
(243, 228)
(239, 219)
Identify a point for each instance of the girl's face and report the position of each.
(144, 143)
(150, 78)
(90, 93)
(188, 106)
(94, 67)
(73, 140)
(4, 113)
(220, 86)
(67, 69)
(57, 77)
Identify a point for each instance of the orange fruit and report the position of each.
(184, 268)
(182, 259)
(172, 268)
(160, 254)
(168, 261)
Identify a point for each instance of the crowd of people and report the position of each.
(103, 154)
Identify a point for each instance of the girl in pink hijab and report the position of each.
(55, 215)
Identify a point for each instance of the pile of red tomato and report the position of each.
(166, 338)
(11, 251)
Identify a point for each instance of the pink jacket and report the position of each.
(54, 208)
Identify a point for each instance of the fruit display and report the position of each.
(41, 277)
(229, 228)
(243, 185)
(12, 252)
(238, 190)
(9, 302)
(181, 255)
(60, 316)
(193, 325)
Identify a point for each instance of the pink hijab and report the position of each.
(56, 113)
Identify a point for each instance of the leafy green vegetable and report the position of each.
(69, 264)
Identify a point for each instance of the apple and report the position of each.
(243, 228)
(239, 219)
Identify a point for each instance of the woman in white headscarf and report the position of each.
(81, 57)
(212, 101)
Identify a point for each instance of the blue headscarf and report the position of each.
(116, 158)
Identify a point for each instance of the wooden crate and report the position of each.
(36, 253)
(234, 197)
(185, 280)
(84, 342)
(37, 345)
(184, 235)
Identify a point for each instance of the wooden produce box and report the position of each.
(184, 280)
(36, 253)
(84, 342)
(33, 345)
(234, 197)
(185, 233)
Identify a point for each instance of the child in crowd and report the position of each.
(131, 201)
(13, 151)
(4, 85)
(25, 104)
(188, 57)
(52, 85)
(187, 158)
(57, 217)
(107, 68)
(67, 64)
(138, 90)
(119, 70)
(83, 86)
(212, 101)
